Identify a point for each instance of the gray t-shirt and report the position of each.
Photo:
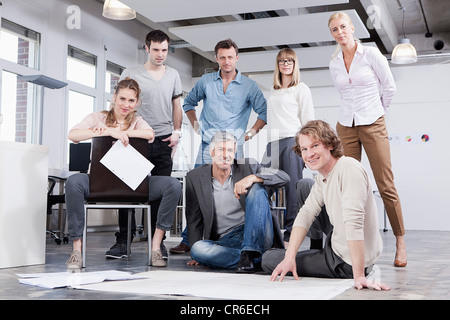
(228, 212)
(156, 96)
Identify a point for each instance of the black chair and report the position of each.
(52, 200)
(79, 160)
(107, 191)
(79, 156)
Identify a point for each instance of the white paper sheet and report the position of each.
(69, 279)
(227, 286)
(127, 164)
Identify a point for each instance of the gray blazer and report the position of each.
(199, 196)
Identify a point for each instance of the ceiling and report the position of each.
(262, 27)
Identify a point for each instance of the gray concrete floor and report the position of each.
(426, 277)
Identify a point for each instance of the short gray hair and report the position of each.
(222, 136)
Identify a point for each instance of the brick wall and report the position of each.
(22, 94)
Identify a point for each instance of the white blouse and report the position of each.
(366, 90)
(288, 109)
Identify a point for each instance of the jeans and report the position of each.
(255, 235)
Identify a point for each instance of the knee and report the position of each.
(257, 190)
(76, 183)
(172, 186)
(198, 250)
(271, 258)
(175, 186)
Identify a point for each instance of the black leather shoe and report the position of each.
(245, 264)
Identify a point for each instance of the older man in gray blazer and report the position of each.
(229, 220)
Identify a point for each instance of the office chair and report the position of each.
(52, 200)
(278, 204)
(107, 191)
(79, 159)
(79, 156)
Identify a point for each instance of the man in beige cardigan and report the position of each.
(353, 241)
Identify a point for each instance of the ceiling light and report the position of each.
(116, 10)
(404, 52)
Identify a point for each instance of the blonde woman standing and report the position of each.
(365, 83)
(289, 107)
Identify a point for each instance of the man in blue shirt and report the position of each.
(228, 98)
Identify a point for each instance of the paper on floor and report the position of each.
(227, 286)
(53, 280)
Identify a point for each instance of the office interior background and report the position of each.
(70, 41)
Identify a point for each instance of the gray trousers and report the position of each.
(279, 155)
(320, 263)
(167, 189)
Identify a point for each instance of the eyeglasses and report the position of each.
(286, 61)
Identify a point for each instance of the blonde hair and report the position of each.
(342, 15)
(111, 120)
(345, 16)
(283, 54)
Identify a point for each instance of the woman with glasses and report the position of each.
(289, 107)
(365, 83)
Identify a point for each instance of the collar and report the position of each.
(238, 77)
(359, 50)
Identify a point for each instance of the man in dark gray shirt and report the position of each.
(227, 208)
(161, 109)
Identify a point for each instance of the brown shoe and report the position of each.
(181, 248)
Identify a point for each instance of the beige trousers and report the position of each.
(374, 139)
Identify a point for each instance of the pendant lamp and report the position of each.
(116, 10)
(404, 52)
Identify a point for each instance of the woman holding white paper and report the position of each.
(122, 123)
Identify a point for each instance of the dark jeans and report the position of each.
(159, 154)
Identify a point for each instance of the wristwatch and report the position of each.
(249, 134)
(177, 131)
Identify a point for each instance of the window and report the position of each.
(20, 105)
(81, 67)
(80, 105)
(113, 72)
(19, 44)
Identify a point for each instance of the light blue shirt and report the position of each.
(226, 111)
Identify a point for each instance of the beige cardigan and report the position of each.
(351, 207)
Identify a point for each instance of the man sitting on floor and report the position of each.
(227, 205)
(353, 242)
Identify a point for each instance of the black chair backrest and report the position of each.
(104, 185)
(79, 156)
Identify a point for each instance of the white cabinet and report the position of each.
(23, 203)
